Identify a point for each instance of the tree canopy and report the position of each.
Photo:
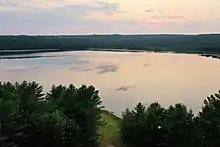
(204, 43)
(65, 116)
(68, 116)
(175, 126)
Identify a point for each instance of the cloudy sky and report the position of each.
(109, 16)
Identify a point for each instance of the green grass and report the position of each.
(110, 130)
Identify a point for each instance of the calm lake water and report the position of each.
(123, 78)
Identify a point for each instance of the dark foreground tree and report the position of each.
(64, 117)
(81, 106)
(154, 120)
(142, 127)
(179, 127)
(156, 126)
(19, 104)
(208, 122)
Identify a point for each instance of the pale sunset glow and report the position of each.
(109, 16)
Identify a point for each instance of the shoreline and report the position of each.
(8, 54)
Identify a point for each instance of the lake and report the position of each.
(123, 78)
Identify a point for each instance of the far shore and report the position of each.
(5, 53)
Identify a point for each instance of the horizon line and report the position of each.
(111, 34)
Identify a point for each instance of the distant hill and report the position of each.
(204, 43)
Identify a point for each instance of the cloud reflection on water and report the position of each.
(146, 64)
(107, 68)
(125, 88)
(102, 69)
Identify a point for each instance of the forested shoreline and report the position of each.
(68, 116)
(204, 43)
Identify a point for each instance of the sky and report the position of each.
(54, 17)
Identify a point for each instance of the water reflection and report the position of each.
(146, 64)
(107, 68)
(125, 88)
(123, 78)
(102, 69)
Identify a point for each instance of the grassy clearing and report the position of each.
(110, 131)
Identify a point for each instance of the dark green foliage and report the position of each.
(172, 127)
(155, 115)
(81, 106)
(66, 116)
(142, 127)
(206, 43)
(208, 121)
(179, 127)
(18, 106)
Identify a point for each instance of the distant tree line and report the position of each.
(207, 43)
(67, 116)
